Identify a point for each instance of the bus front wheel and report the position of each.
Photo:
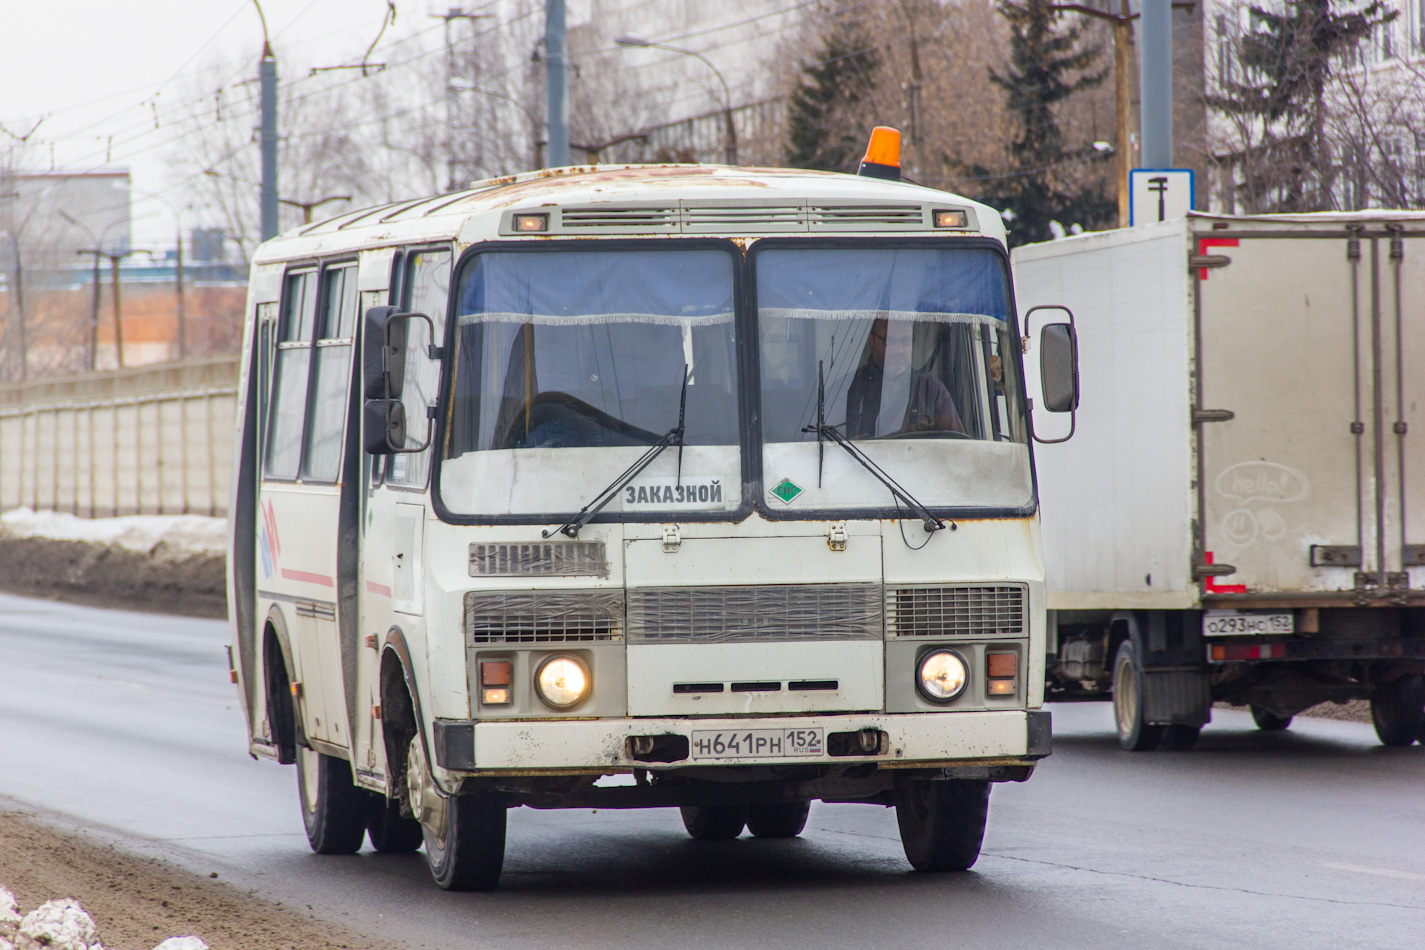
(942, 822)
(464, 834)
(779, 820)
(714, 822)
(333, 808)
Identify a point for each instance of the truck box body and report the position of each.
(1310, 331)
(1240, 512)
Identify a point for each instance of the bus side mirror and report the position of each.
(383, 377)
(1058, 368)
(383, 354)
(385, 426)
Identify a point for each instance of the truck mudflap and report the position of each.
(1178, 697)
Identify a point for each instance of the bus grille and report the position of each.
(959, 611)
(563, 559)
(544, 616)
(741, 614)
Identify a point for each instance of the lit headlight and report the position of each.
(562, 681)
(941, 676)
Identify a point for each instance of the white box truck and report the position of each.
(1240, 514)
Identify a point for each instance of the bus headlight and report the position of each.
(941, 676)
(562, 681)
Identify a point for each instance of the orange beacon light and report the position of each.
(883, 155)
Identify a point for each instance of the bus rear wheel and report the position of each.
(780, 820)
(942, 822)
(390, 831)
(333, 808)
(714, 822)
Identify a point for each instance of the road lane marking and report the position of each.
(1378, 872)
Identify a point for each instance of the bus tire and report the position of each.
(780, 820)
(714, 822)
(390, 831)
(1179, 738)
(1134, 734)
(942, 822)
(333, 808)
(1398, 710)
(1268, 721)
(472, 854)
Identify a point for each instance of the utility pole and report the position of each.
(182, 314)
(454, 13)
(118, 312)
(913, 95)
(556, 62)
(17, 302)
(114, 258)
(1122, 88)
(1155, 71)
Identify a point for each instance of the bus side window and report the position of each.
(289, 382)
(331, 379)
(424, 288)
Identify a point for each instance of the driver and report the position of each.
(887, 396)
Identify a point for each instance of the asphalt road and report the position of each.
(125, 724)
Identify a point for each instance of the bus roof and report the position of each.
(644, 200)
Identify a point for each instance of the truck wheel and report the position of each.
(471, 855)
(714, 822)
(782, 820)
(1134, 734)
(1179, 738)
(1268, 721)
(1398, 710)
(942, 822)
(390, 831)
(333, 808)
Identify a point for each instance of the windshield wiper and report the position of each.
(822, 430)
(675, 434)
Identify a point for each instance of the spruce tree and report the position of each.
(1288, 63)
(820, 133)
(1048, 64)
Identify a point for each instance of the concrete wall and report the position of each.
(152, 440)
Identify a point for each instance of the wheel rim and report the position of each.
(1125, 696)
(310, 766)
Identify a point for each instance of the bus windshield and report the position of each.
(584, 351)
(902, 349)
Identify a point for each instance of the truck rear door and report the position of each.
(1304, 367)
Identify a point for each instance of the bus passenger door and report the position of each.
(396, 503)
(300, 500)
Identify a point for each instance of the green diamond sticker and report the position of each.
(786, 491)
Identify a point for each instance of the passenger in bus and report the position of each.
(888, 396)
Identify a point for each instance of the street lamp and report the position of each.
(114, 257)
(730, 134)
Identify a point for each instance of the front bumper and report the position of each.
(921, 740)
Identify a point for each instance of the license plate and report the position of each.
(757, 743)
(1223, 623)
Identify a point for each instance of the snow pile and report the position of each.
(61, 925)
(197, 534)
(58, 925)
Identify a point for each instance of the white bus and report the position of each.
(686, 486)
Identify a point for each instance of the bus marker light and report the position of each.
(1001, 687)
(531, 222)
(951, 219)
(1002, 665)
(494, 672)
(499, 696)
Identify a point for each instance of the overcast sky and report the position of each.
(92, 68)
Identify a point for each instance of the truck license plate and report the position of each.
(1221, 623)
(756, 743)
